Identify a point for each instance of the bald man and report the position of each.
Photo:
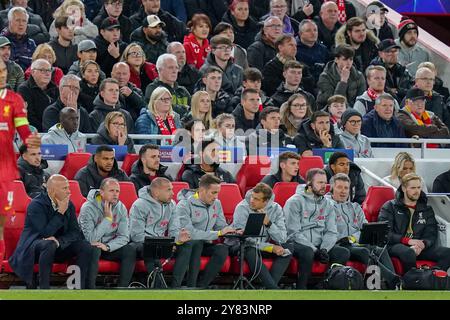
(51, 234)
(130, 97)
(328, 24)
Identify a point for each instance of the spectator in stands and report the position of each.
(207, 224)
(339, 162)
(272, 245)
(153, 215)
(15, 72)
(411, 54)
(109, 45)
(279, 8)
(114, 9)
(151, 38)
(87, 50)
(69, 89)
(66, 131)
(252, 80)
(208, 164)
(381, 122)
(301, 10)
(130, 97)
(51, 233)
(341, 77)
(403, 164)
(313, 240)
(196, 43)
(92, 7)
(351, 122)
(376, 20)
(413, 226)
(419, 122)
(288, 169)
(441, 183)
(101, 165)
(174, 28)
(246, 113)
(191, 138)
(175, 8)
(22, 46)
(46, 52)
(104, 221)
(188, 75)
(398, 79)
(438, 82)
(90, 83)
(362, 40)
(238, 53)
(350, 219)
(148, 167)
(159, 118)
(168, 69)
(38, 91)
(214, 9)
(83, 28)
(376, 80)
(346, 10)
(293, 112)
(31, 168)
(36, 28)
(317, 133)
(336, 106)
(244, 26)
(142, 73)
(225, 135)
(201, 109)
(263, 49)
(106, 102)
(45, 9)
(113, 131)
(65, 50)
(212, 83)
(220, 56)
(328, 24)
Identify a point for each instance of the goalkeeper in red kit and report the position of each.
(13, 116)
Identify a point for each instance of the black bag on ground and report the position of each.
(426, 278)
(340, 277)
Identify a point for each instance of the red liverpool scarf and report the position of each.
(163, 128)
(423, 120)
(342, 15)
(372, 94)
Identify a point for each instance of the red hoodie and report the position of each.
(195, 53)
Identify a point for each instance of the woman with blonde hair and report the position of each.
(404, 163)
(113, 131)
(83, 28)
(293, 112)
(159, 118)
(142, 73)
(46, 52)
(201, 109)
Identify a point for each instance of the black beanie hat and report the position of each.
(350, 112)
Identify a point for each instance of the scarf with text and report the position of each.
(163, 128)
(342, 15)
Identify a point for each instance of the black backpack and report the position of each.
(426, 278)
(340, 277)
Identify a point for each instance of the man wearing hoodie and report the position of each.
(113, 9)
(31, 167)
(311, 225)
(100, 166)
(287, 170)
(201, 214)
(340, 163)
(106, 102)
(273, 245)
(153, 215)
(246, 113)
(148, 167)
(104, 222)
(66, 132)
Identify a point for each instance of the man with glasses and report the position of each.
(38, 91)
(114, 9)
(278, 8)
(351, 122)
(69, 90)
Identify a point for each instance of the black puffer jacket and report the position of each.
(102, 137)
(260, 52)
(125, 24)
(140, 179)
(101, 110)
(34, 178)
(194, 172)
(243, 36)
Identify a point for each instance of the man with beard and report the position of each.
(15, 72)
(411, 54)
(412, 226)
(311, 225)
(31, 167)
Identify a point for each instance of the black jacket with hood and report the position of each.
(140, 179)
(102, 137)
(357, 190)
(34, 178)
(100, 111)
(272, 179)
(194, 172)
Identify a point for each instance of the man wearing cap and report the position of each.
(114, 9)
(151, 37)
(109, 45)
(65, 50)
(398, 79)
(419, 122)
(411, 54)
(351, 122)
(87, 50)
(15, 72)
(376, 20)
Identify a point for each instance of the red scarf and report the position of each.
(423, 120)
(342, 15)
(163, 128)
(372, 94)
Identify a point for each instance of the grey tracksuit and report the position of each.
(76, 142)
(359, 143)
(349, 218)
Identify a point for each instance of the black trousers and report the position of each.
(127, 257)
(408, 257)
(47, 253)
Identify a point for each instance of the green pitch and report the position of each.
(220, 295)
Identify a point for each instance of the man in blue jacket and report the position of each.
(51, 234)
